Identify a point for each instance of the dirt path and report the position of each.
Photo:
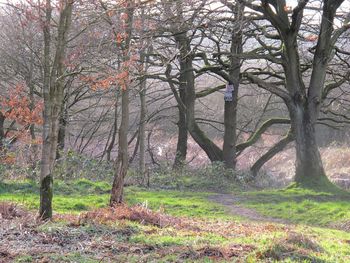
(231, 202)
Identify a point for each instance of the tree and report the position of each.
(53, 92)
(123, 40)
(303, 97)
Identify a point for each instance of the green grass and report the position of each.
(82, 195)
(301, 205)
(312, 211)
(178, 203)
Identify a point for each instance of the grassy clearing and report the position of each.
(208, 233)
(197, 240)
(301, 205)
(82, 195)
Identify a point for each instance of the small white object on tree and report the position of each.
(229, 92)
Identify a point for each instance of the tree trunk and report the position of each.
(46, 181)
(34, 146)
(2, 132)
(188, 80)
(122, 162)
(142, 129)
(181, 148)
(53, 91)
(229, 147)
(50, 131)
(309, 167)
(61, 132)
(114, 130)
(230, 112)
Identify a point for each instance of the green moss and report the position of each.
(319, 184)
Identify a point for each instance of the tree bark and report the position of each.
(181, 147)
(53, 90)
(187, 79)
(2, 131)
(303, 101)
(230, 111)
(309, 167)
(122, 162)
(61, 132)
(114, 130)
(142, 128)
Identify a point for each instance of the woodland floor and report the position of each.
(289, 225)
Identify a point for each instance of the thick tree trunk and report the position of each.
(122, 162)
(188, 80)
(309, 167)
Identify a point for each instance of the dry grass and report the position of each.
(295, 246)
(24, 236)
(136, 213)
(10, 211)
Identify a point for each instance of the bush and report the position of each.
(213, 177)
(73, 166)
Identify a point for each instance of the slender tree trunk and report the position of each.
(122, 162)
(53, 92)
(181, 148)
(229, 147)
(114, 132)
(230, 112)
(62, 131)
(34, 146)
(45, 210)
(50, 131)
(2, 132)
(142, 129)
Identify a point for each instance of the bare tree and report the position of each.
(303, 98)
(53, 91)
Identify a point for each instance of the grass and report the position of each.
(309, 240)
(301, 205)
(82, 195)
